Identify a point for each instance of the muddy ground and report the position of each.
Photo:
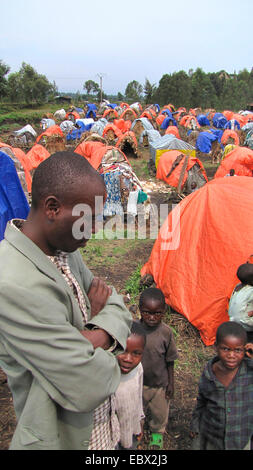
(192, 353)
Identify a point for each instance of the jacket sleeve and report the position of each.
(35, 331)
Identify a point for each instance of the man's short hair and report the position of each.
(152, 293)
(230, 328)
(60, 173)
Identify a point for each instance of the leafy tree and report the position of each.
(133, 91)
(30, 86)
(4, 70)
(203, 92)
(91, 87)
(149, 91)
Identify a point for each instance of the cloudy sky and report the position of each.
(71, 42)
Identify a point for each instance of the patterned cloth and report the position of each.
(105, 432)
(224, 415)
(129, 407)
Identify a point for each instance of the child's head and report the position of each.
(132, 356)
(231, 339)
(152, 306)
(245, 273)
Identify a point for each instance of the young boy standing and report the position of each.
(158, 363)
(128, 396)
(223, 416)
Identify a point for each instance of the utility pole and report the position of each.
(101, 75)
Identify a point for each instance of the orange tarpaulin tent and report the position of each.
(240, 159)
(53, 130)
(230, 133)
(123, 125)
(21, 156)
(199, 248)
(36, 155)
(173, 130)
(165, 164)
(94, 151)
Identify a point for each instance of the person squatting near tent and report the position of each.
(60, 326)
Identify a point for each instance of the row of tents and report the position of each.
(206, 236)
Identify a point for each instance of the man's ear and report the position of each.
(52, 206)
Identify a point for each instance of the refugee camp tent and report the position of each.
(174, 170)
(230, 136)
(173, 130)
(36, 155)
(168, 121)
(204, 141)
(98, 126)
(203, 120)
(219, 121)
(52, 130)
(240, 159)
(168, 142)
(199, 248)
(13, 203)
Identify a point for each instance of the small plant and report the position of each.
(132, 285)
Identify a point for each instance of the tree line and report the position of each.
(218, 90)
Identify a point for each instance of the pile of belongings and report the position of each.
(124, 190)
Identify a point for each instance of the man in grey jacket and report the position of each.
(60, 328)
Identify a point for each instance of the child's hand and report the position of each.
(249, 350)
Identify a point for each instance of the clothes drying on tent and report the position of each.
(199, 248)
(13, 203)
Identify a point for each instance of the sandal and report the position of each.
(156, 441)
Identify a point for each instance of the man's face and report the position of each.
(74, 222)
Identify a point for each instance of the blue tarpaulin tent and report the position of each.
(13, 203)
(203, 120)
(219, 121)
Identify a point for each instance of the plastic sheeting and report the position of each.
(219, 121)
(240, 159)
(204, 141)
(203, 120)
(199, 248)
(98, 126)
(165, 166)
(13, 203)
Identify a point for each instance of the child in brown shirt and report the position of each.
(158, 363)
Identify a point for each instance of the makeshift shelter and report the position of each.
(219, 121)
(204, 141)
(23, 137)
(240, 159)
(53, 130)
(111, 133)
(127, 143)
(22, 166)
(168, 142)
(199, 248)
(36, 155)
(72, 115)
(139, 125)
(168, 121)
(203, 120)
(129, 114)
(110, 114)
(173, 130)
(232, 124)
(160, 118)
(60, 114)
(13, 202)
(98, 126)
(230, 137)
(181, 171)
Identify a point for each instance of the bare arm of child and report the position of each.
(169, 393)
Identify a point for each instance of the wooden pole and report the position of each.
(181, 177)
